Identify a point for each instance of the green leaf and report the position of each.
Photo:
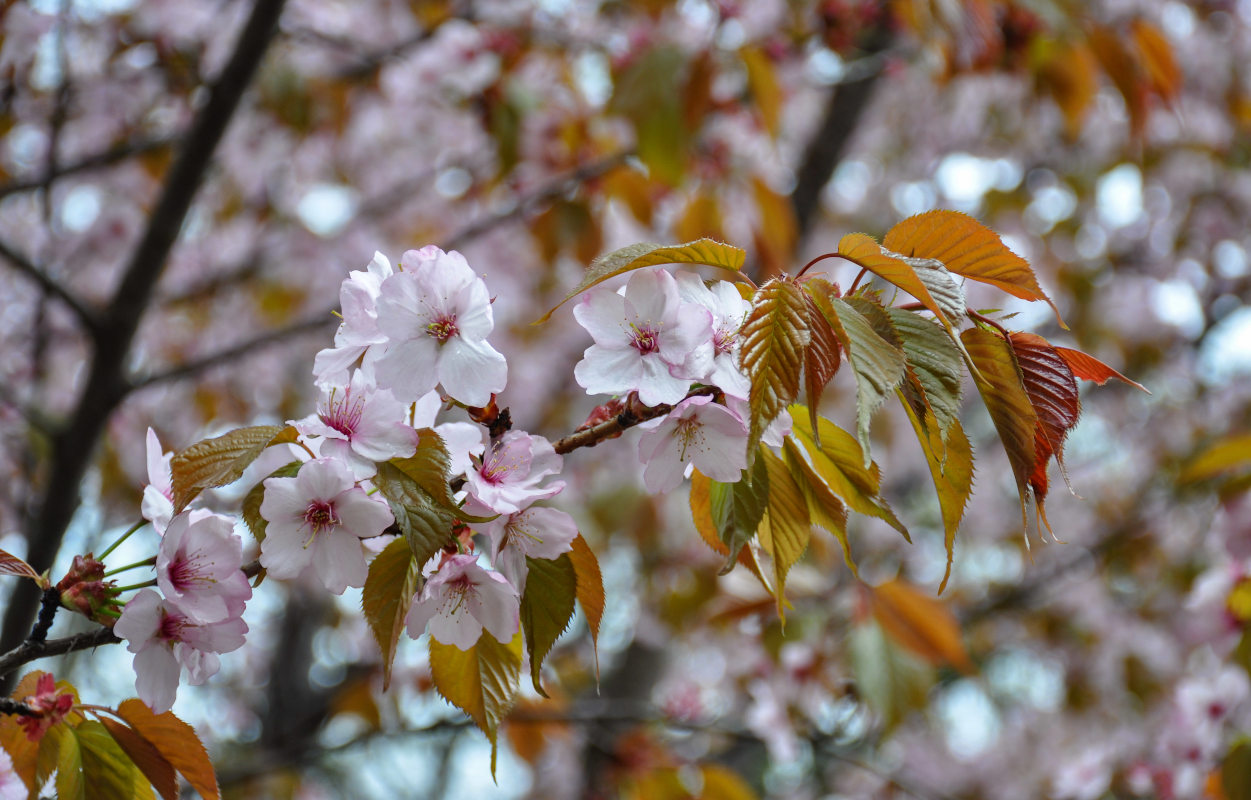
(786, 527)
(546, 608)
(426, 525)
(891, 680)
(824, 507)
(177, 742)
(877, 363)
(429, 467)
(60, 752)
(950, 459)
(251, 507)
(1226, 456)
(394, 578)
(936, 364)
(221, 460)
(649, 93)
(737, 508)
(1236, 771)
(590, 589)
(159, 772)
(481, 681)
(107, 770)
(839, 466)
(1004, 394)
(645, 254)
(942, 286)
(774, 337)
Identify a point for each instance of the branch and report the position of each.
(31, 651)
(8, 706)
(87, 316)
(113, 155)
(589, 437)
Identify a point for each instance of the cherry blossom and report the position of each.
(361, 425)
(198, 566)
(728, 309)
(644, 337)
(510, 475)
(436, 316)
(460, 600)
(358, 298)
(50, 706)
(166, 640)
(158, 495)
(317, 520)
(697, 433)
(534, 532)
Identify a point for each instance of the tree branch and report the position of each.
(113, 155)
(589, 437)
(87, 317)
(30, 651)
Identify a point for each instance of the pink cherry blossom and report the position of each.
(533, 532)
(158, 495)
(358, 299)
(643, 337)
(696, 433)
(728, 309)
(198, 566)
(436, 316)
(317, 520)
(166, 640)
(361, 425)
(460, 600)
(510, 475)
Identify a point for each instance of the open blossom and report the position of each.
(358, 299)
(510, 475)
(317, 519)
(436, 315)
(198, 566)
(166, 640)
(698, 433)
(534, 532)
(361, 425)
(460, 600)
(644, 339)
(728, 309)
(158, 495)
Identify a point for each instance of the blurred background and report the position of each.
(1108, 142)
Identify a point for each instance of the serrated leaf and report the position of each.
(1089, 368)
(645, 254)
(967, 247)
(590, 589)
(920, 623)
(701, 514)
(394, 578)
(877, 363)
(822, 356)
(824, 508)
(251, 506)
(942, 286)
(60, 750)
(737, 509)
(107, 770)
(481, 681)
(650, 93)
(159, 772)
(838, 467)
(1156, 57)
(221, 460)
(935, 362)
(12, 565)
(950, 459)
(177, 742)
(429, 467)
(789, 526)
(774, 337)
(891, 680)
(864, 251)
(1052, 391)
(426, 525)
(1010, 409)
(546, 608)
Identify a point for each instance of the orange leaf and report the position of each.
(1156, 56)
(821, 358)
(177, 743)
(1089, 368)
(967, 247)
(863, 251)
(920, 623)
(146, 757)
(1052, 391)
(1068, 74)
(1120, 65)
(590, 588)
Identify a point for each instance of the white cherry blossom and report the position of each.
(460, 600)
(360, 424)
(697, 433)
(358, 299)
(158, 495)
(716, 363)
(534, 532)
(198, 566)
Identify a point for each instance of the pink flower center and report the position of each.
(723, 340)
(500, 463)
(687, 431)
(343, 413)
(320, 516)
(443, 328)
(170, 629)
(646, 339)
(184, 571)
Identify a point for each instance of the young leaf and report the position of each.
(920, 623)
(159, 772)
(394, 578)
(546, 608)
(590, 589)
(645, 254)
(1089, 368)
(177, 742)
(823, 355)
(59, 750)
(935, 362)
(425, 523)
(107, 771)
(774, 337)
(737, 509)
(1008, 404)
(12, 565)
(863, 251)
(824, 508)
(837, 466)
(481, 681)
(219, 461)
(701, 513)
(892, 681)
(943, 287)
(251, 506)
(788, 523)
(429, 467)
(967, 247)
(1052, 391)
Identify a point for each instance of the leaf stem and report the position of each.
(143, 585)
(147, 562)
(814, 261)
(123, 538)
(988, 321)
(854, 284)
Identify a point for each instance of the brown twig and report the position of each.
(31, 651)
(623, 421)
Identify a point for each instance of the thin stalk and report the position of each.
(147, 562)
(123, 538)
(143, 585)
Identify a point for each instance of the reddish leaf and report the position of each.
(920, 623)
(146, 757)
(775, 336)
(822, 357)
(1089, 368)
(177, 743)
(12, 565)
